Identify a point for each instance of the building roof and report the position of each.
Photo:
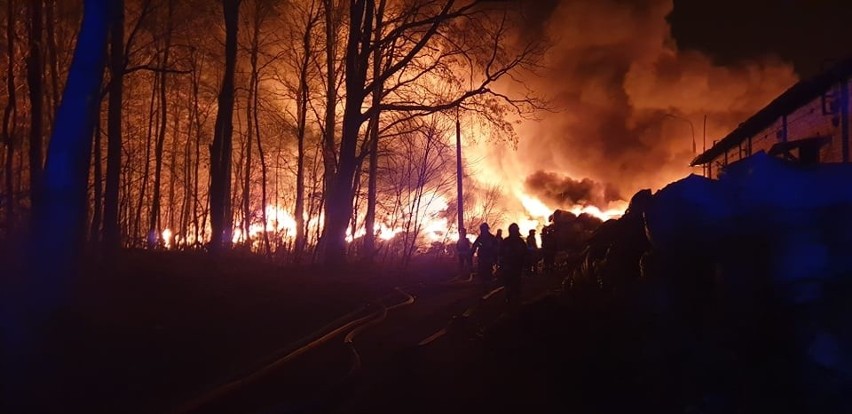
(797, 96)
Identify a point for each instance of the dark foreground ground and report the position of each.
(163, 329)
(602, 352)
(160, 328)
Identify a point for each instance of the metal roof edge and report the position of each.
(794, 97)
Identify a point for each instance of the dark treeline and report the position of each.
(283, 127)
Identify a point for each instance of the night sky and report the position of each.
(808, 33)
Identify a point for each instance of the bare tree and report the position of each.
(259, 14)
(154, 227)
(357, 74)
(485, 208)
(35, 83)
(60, 217)
(10, 113)
(373, 132)
(198, 119)
(112, 235)
(416, 29)
(332, 10)
(220, 153)
(426, 175)
(305, 53)
(53, 60)
(247, 204)
(97, 182)
(152, 115)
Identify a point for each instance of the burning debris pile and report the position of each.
(614, 246)
(565, 236)
(756, 260)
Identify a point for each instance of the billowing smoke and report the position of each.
(630, 106)
(563, 191)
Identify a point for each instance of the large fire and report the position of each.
(432, 224)
(629, 109)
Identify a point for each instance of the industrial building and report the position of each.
(807, 124)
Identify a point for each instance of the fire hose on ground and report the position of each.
(466, 314)
(320, 337)
(349, 340)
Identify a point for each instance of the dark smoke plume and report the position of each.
(564, 191)
(630, 103)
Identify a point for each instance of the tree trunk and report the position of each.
(149, 138)
(315, 203)
(338, 207)
(263, 174)
(60, 219)
(170, 221)
(94, 231)
(10, 119)
(373, 130)
(126, 203)
(50, 6)
(253, 117)
(9, 165)
(301, 127)
(112, 234)
(247, 175)
(154, 224)
(196, 179)
(147, 166)
(372, 190)
(35, 83)
(328, 148)
(220, 154)
(187, 179)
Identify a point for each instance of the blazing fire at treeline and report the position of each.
(322, 128)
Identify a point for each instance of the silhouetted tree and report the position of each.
(112, 233)
(10, 113)
(154, 228)
(220, 153)
(306, 53)
(413, 32)
(35, 83)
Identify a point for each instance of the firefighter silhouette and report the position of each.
(486, 248)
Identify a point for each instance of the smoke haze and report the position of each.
(629, 104)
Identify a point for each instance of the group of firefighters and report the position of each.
(511, 256)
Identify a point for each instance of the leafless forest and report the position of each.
(301, 130)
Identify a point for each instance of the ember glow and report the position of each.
(167, 239)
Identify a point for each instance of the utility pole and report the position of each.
(704, 146)
(691, 128)
(459, 173)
